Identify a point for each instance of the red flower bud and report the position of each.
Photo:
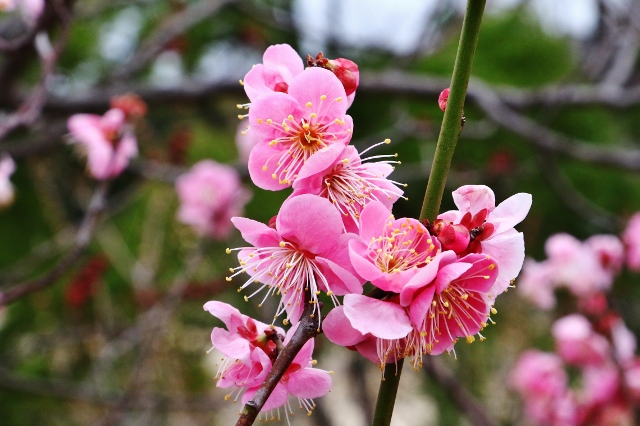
(443, 98)
(452, 237)
(346, 70)
(131, 104)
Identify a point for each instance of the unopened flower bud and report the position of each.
(346, 70)
(131, 104)
(443, 98)
(452, 237)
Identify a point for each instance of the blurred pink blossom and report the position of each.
(631, 238)
(7, 168)
(107, 140)
(578, 344)
(210, 195)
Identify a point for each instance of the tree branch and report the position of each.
(308, 328)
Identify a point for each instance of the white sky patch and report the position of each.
(167, 69)
(575, 18)
(119, 37)
(226, 61)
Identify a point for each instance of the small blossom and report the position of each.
(210, 195)
(390, 251)
(491, 228)
(536, 284)
(345, 69)
(7, 168)
(306, 250)
(280, 64)
(338, 174)
(578, 344)
(294, 126)
(107, 141)
(300, 380)
(631, 238)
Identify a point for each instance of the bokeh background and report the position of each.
(552, 110)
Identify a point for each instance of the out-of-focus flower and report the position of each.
(578, 344)
(280, 64)
(245, 141)
(294, 126)
(7, 168)
(85, 284)
(609, 250)
(131, 104)
(338, 174)
(491, 228)
(542, 383)
(210, 195)
(107, 140)
(536, 284)
(631, 238)
(307, 251)
(391, 251)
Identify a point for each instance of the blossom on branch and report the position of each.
(307, 251)
(108, 141)
(280, 64)
(292, 127)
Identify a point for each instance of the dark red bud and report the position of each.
(443, 98)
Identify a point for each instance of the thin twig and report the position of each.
(308, 328)
(171, 28)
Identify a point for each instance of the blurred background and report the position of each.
(112, 330)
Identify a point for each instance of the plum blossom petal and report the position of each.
(473, 198)
(385, 320)
(338, 329)
(280, 65)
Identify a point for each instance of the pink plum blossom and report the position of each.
(542, 383)
(578, 344)
(280, 64)
(210, 195)
(491, 228)
(631, 238)
(338, 174)
(294, 126)
(609, 250)
(445, 300)
(536, 284)
(107, 141)
(390, 251)
(247, 349)
(7, 168)
(300, 380)
(306, 250)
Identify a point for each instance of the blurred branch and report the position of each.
(167, 31)
(457, 392)
(82, 239)
(29, 110)
(78, 392)
(573, 199)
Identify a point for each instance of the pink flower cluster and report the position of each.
(108, 141)
(603, 353)
(249, 350)
(587, 269)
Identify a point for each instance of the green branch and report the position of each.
(447, 140)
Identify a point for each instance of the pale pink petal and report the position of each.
(363, 267)
(230, 344)
(340, 280)
(386, 320)
(255, 82)
(309, 383)
(482, 274)
(425, 276)
(314, 83)
(256, 233)
(421, 304)
(263, 161)
(473, 198)
(284, 60)
(507, 249)
(277, 398)
(314, 169)
(338, 329)
(510, 212)
(448, 273)
(373, 219)
(230, 316)
(311, 222)
(275, 107)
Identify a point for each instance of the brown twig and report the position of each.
(308, 328)
(457, 392)
(83, 237)
(29, 111)
(173, 27)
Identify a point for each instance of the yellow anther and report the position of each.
(290, 117)
(323, 97)
(269, 121)
(387, 141)
(228, 279)
(282, 244)
(492, 267)
(259, 120)
(228, 397)
(313, 115)
(228, 251)
(246, 299)
(308, 104)
(494, 311)
(470, 339)
(241, 82)
(264, 168)
(339, 99)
